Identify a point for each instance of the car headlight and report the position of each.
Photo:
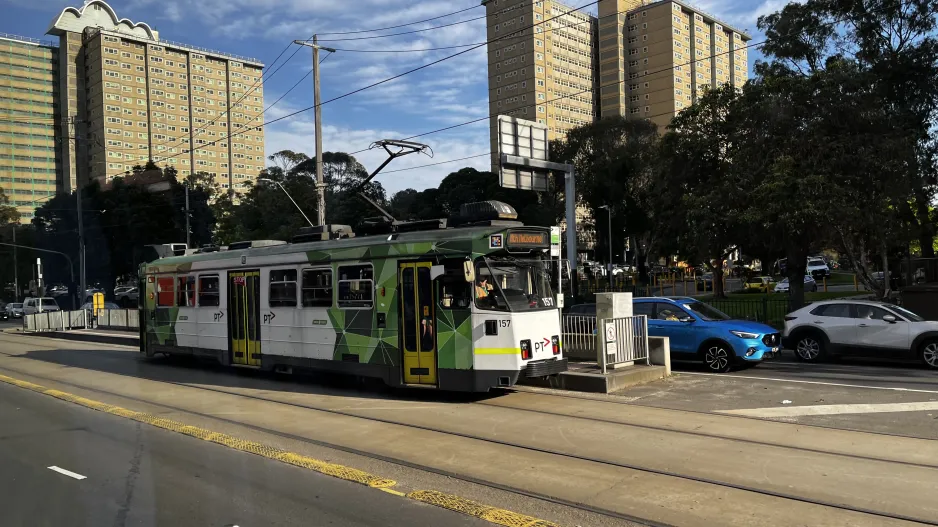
(745, 335)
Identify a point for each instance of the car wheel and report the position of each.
(717, 358)
(930, 353)
(809, 348)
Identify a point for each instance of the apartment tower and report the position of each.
(542, 64)
(637, 59)
(29, 122)
(656, 58)
(129, 97)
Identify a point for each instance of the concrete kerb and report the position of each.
(129, 339)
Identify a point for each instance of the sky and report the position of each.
(445, 94)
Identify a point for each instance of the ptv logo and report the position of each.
(543, 345)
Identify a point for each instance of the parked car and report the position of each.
(810, 285)
(818, 269)
(584, 323)
(3, 312)
(35, 305)
(701, 333)
(860, 328)
(705, 282)
(14, 310)
(760, 283)
(126, 296)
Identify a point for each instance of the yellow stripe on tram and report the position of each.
(497, 351)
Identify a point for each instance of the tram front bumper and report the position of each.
(543, 368)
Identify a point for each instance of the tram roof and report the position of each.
(457, 240)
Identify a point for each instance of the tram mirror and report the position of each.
(469, 270)
(436, 271)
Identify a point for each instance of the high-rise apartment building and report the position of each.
(134, 97)
(638, 59)
(541, 70)
(656, 58)
(111, 95)
(28, 122)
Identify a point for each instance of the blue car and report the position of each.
(701, 333)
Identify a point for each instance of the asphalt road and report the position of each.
(140, 475)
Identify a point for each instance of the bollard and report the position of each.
(825, 284)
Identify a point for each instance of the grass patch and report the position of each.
(839, 278)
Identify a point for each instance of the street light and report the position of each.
(609, 215)
(267, 180)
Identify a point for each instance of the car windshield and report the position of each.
(905, 312)
(705, 312)
(816, 262)
(48, 301)
(509, 284)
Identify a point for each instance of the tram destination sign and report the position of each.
(528, 240)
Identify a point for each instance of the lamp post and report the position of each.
(609, 216)
(267, 180)
(71, 271)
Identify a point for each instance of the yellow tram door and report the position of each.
(244, 306)
(418, 323)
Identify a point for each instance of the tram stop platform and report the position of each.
(102, 336)
(587, 376)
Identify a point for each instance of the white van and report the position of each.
(32, 306)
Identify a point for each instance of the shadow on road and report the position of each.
(185, 370)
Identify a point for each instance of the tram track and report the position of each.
(515, 444)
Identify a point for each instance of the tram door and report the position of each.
(244, 306)
(418, 323)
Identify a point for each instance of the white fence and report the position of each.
(82, 319)
(623, 341)
(579, 337)
(55, 321)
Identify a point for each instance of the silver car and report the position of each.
(809, 285)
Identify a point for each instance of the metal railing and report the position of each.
(623, 341)
(579, 336)
(118, 319)
(55, 321)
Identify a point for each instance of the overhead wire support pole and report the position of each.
(71, 270)
(317, 112)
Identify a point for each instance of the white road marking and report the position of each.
(892, 389)
(67, 473)
(834, 409)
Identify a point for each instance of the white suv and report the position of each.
(862, 329)
(818, 268)
(31, 306)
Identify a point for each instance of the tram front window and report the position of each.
(508, 284)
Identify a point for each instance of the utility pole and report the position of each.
(317, 112)
(188, 245)
(16, 271)
(81, 220)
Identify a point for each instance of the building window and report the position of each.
(282, 288)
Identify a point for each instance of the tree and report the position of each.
(612, 158)
(8, 213)
(697, 204)
(287, 160)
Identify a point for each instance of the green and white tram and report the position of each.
(467, 307)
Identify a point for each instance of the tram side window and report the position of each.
(317, 288)
(455, 292)
(356, 286)
(282, 288)
(185, 291)
(208, 291)
(165, 292)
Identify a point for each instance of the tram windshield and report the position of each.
(509, 284)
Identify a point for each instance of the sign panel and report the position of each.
(525, 139)
(610, 331)
(555, 242)
(528, 240)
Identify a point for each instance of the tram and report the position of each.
(461, 304)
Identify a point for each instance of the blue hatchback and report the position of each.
(701, 333)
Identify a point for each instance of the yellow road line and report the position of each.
(484, 512)
(452, 502)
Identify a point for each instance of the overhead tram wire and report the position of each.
(476, 6)
(378, 83)
(254, 86)
(370, 37)
(535, 104)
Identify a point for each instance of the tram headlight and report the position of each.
(555, 344)
(525, 349)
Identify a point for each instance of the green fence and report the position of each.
(766, 309)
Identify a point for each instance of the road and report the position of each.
(138, 475)
(668, 453)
